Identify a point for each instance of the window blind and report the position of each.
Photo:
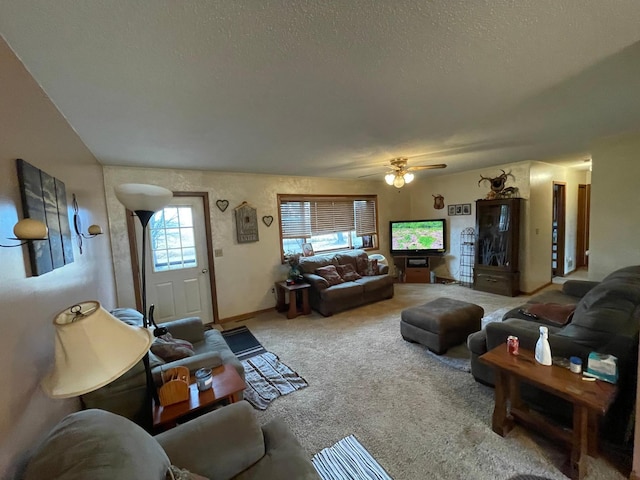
(295, 219)
(365, 217)
(332, 217)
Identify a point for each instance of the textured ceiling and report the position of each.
(333, 88)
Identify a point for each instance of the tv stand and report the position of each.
(412, 269)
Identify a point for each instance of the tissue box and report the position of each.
(603, 367)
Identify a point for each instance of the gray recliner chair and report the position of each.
(227, 443)
(126, 395)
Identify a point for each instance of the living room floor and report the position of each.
(417, 416)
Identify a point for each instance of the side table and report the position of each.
(589, 399)
(227, 387)
(292, 311)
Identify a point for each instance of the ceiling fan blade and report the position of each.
(372, 174)
(428, 167)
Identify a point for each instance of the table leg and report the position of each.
(500, 421)
(293, 308)
(580, 444)
(593, 434)
(280, 304)
(306, 308)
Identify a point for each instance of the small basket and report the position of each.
(176, 386)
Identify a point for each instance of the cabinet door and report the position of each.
(497, 229)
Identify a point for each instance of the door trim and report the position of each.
(561, 200)
(135, 260)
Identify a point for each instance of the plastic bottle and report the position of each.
(543, 350)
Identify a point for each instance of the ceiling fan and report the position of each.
(401, 173)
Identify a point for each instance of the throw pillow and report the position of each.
(348, 272)
(170, 349)
(362, 262)
(553, 312)
(330, 274)
(372, 267)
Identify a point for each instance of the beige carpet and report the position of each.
(418, 417)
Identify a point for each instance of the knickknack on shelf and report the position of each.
(44, 198)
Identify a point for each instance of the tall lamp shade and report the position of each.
(142, 197)
(92, 349)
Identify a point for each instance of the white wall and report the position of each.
(615, 205)
(31, 128)
(246, 272)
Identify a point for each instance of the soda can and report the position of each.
(513, 345)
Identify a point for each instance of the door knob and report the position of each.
(205, 270)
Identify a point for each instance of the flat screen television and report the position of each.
(418, 237)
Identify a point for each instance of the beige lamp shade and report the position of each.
(92, 349)
(30, 229)
(139, 196)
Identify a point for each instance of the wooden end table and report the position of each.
(292, 311)
(227, 386)
(589, 400)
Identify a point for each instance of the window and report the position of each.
(327, 222)
(172, 239)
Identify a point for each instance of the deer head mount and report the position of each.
(498, 189)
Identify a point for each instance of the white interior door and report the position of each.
(178, 281)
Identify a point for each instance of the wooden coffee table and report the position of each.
(227, 386)
(589, 400)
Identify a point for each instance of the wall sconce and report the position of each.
(28, 229)
(93, 231)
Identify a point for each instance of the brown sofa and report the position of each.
(331, 299)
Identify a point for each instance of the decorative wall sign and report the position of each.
(222, 204)
(438, 201)
(44, 198)
(267, 220)
(246, 223)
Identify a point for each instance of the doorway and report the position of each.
(582, 240)
(558, 229)
(180, 270)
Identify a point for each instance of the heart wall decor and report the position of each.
(222, 204)
(267, 220)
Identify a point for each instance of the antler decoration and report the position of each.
(498, 185)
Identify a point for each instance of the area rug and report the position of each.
(348, 460)
(457, 357)
(268, 378)
(242, 342)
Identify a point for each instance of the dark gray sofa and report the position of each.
(606, 320)
(331, 299)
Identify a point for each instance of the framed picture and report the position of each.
(458, 209)
(451, 210)
(466, 209)
(307, 249)
(367, 241)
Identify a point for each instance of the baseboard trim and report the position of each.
(537, 290)
(245, 316)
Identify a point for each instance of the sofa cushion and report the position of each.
(348, 272)
(608, 307)
(330, 274)
(310, 264)
(376, 282)
(344, 291)
(98, 445)
(128, 315)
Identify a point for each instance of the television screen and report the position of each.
(418, 237)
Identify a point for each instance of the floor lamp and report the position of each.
(145, 200)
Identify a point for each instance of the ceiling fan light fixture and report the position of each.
(389, 178)
(398, 182)
(408, 177)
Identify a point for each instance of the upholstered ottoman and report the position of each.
(440, 324)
